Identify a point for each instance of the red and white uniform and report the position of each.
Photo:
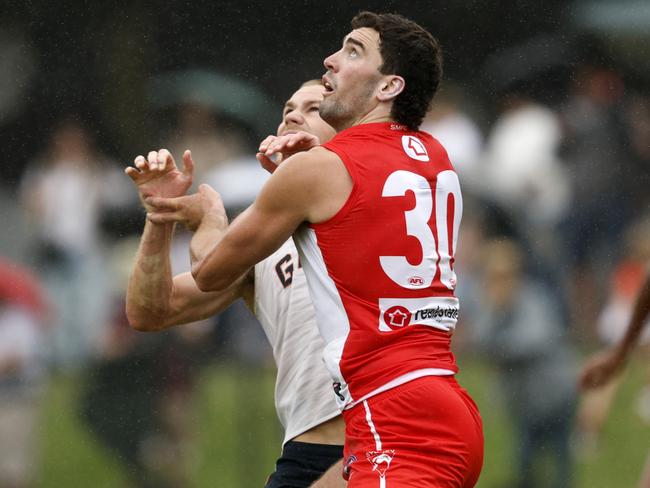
(380, 272)
(381, 277)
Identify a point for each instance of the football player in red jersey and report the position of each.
(375, 214)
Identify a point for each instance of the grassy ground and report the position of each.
(236, 436)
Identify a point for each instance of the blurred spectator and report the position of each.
(22, 320)
(522, 168)
(520, 329)
(522, 171)
(597, 153)
(63, 192)
(457, 132)
(212, 140)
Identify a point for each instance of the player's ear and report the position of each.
(390, 87)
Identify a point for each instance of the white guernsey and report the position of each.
(283, 307)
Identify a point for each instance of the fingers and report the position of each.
(165, 204)
(164, 217)
(276, 145)
(152, 159)
(264, 145)
(302, 138)
(290, 143)
(165, 160)
(266, 162)
(188, 164)
(141, 163)
(161, 160)
(132, 173)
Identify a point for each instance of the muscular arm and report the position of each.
(155, 300)
(310, 186)
(602, 367)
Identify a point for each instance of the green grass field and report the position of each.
(237, 437)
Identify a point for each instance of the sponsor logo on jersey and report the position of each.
(397, 313)
(414, 148)
(381, 460)
(397, 316)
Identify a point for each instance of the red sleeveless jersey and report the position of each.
(381, 271)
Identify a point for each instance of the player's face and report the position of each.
(352, 78)
(301, 114)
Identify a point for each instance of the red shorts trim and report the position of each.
(425, 433)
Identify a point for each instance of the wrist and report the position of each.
(215, 219)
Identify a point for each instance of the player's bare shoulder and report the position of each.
(320, 179)
(315, 159)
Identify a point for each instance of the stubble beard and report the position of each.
(335, 114)
(340, 115)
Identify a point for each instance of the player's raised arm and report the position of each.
(309, 186)
(155, 300)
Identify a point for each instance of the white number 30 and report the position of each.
(437, 251)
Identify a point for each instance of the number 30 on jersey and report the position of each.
(438, 244)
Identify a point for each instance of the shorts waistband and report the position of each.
(297, 449)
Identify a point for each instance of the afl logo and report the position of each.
(414, 148)
(416, 281)
(397, 316)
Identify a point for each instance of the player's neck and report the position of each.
(378, 114)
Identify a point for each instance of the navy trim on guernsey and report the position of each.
(302, 463)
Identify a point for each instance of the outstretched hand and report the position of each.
(282, 147)
(600, 369)
(158, 175)
(189, 210)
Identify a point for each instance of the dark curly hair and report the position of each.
(411, 52)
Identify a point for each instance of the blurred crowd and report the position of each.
(555, 243)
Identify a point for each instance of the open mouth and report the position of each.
(328, 86)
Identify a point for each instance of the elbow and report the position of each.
(144, 322)
(207, 281)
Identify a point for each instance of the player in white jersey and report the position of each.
(275, 290)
